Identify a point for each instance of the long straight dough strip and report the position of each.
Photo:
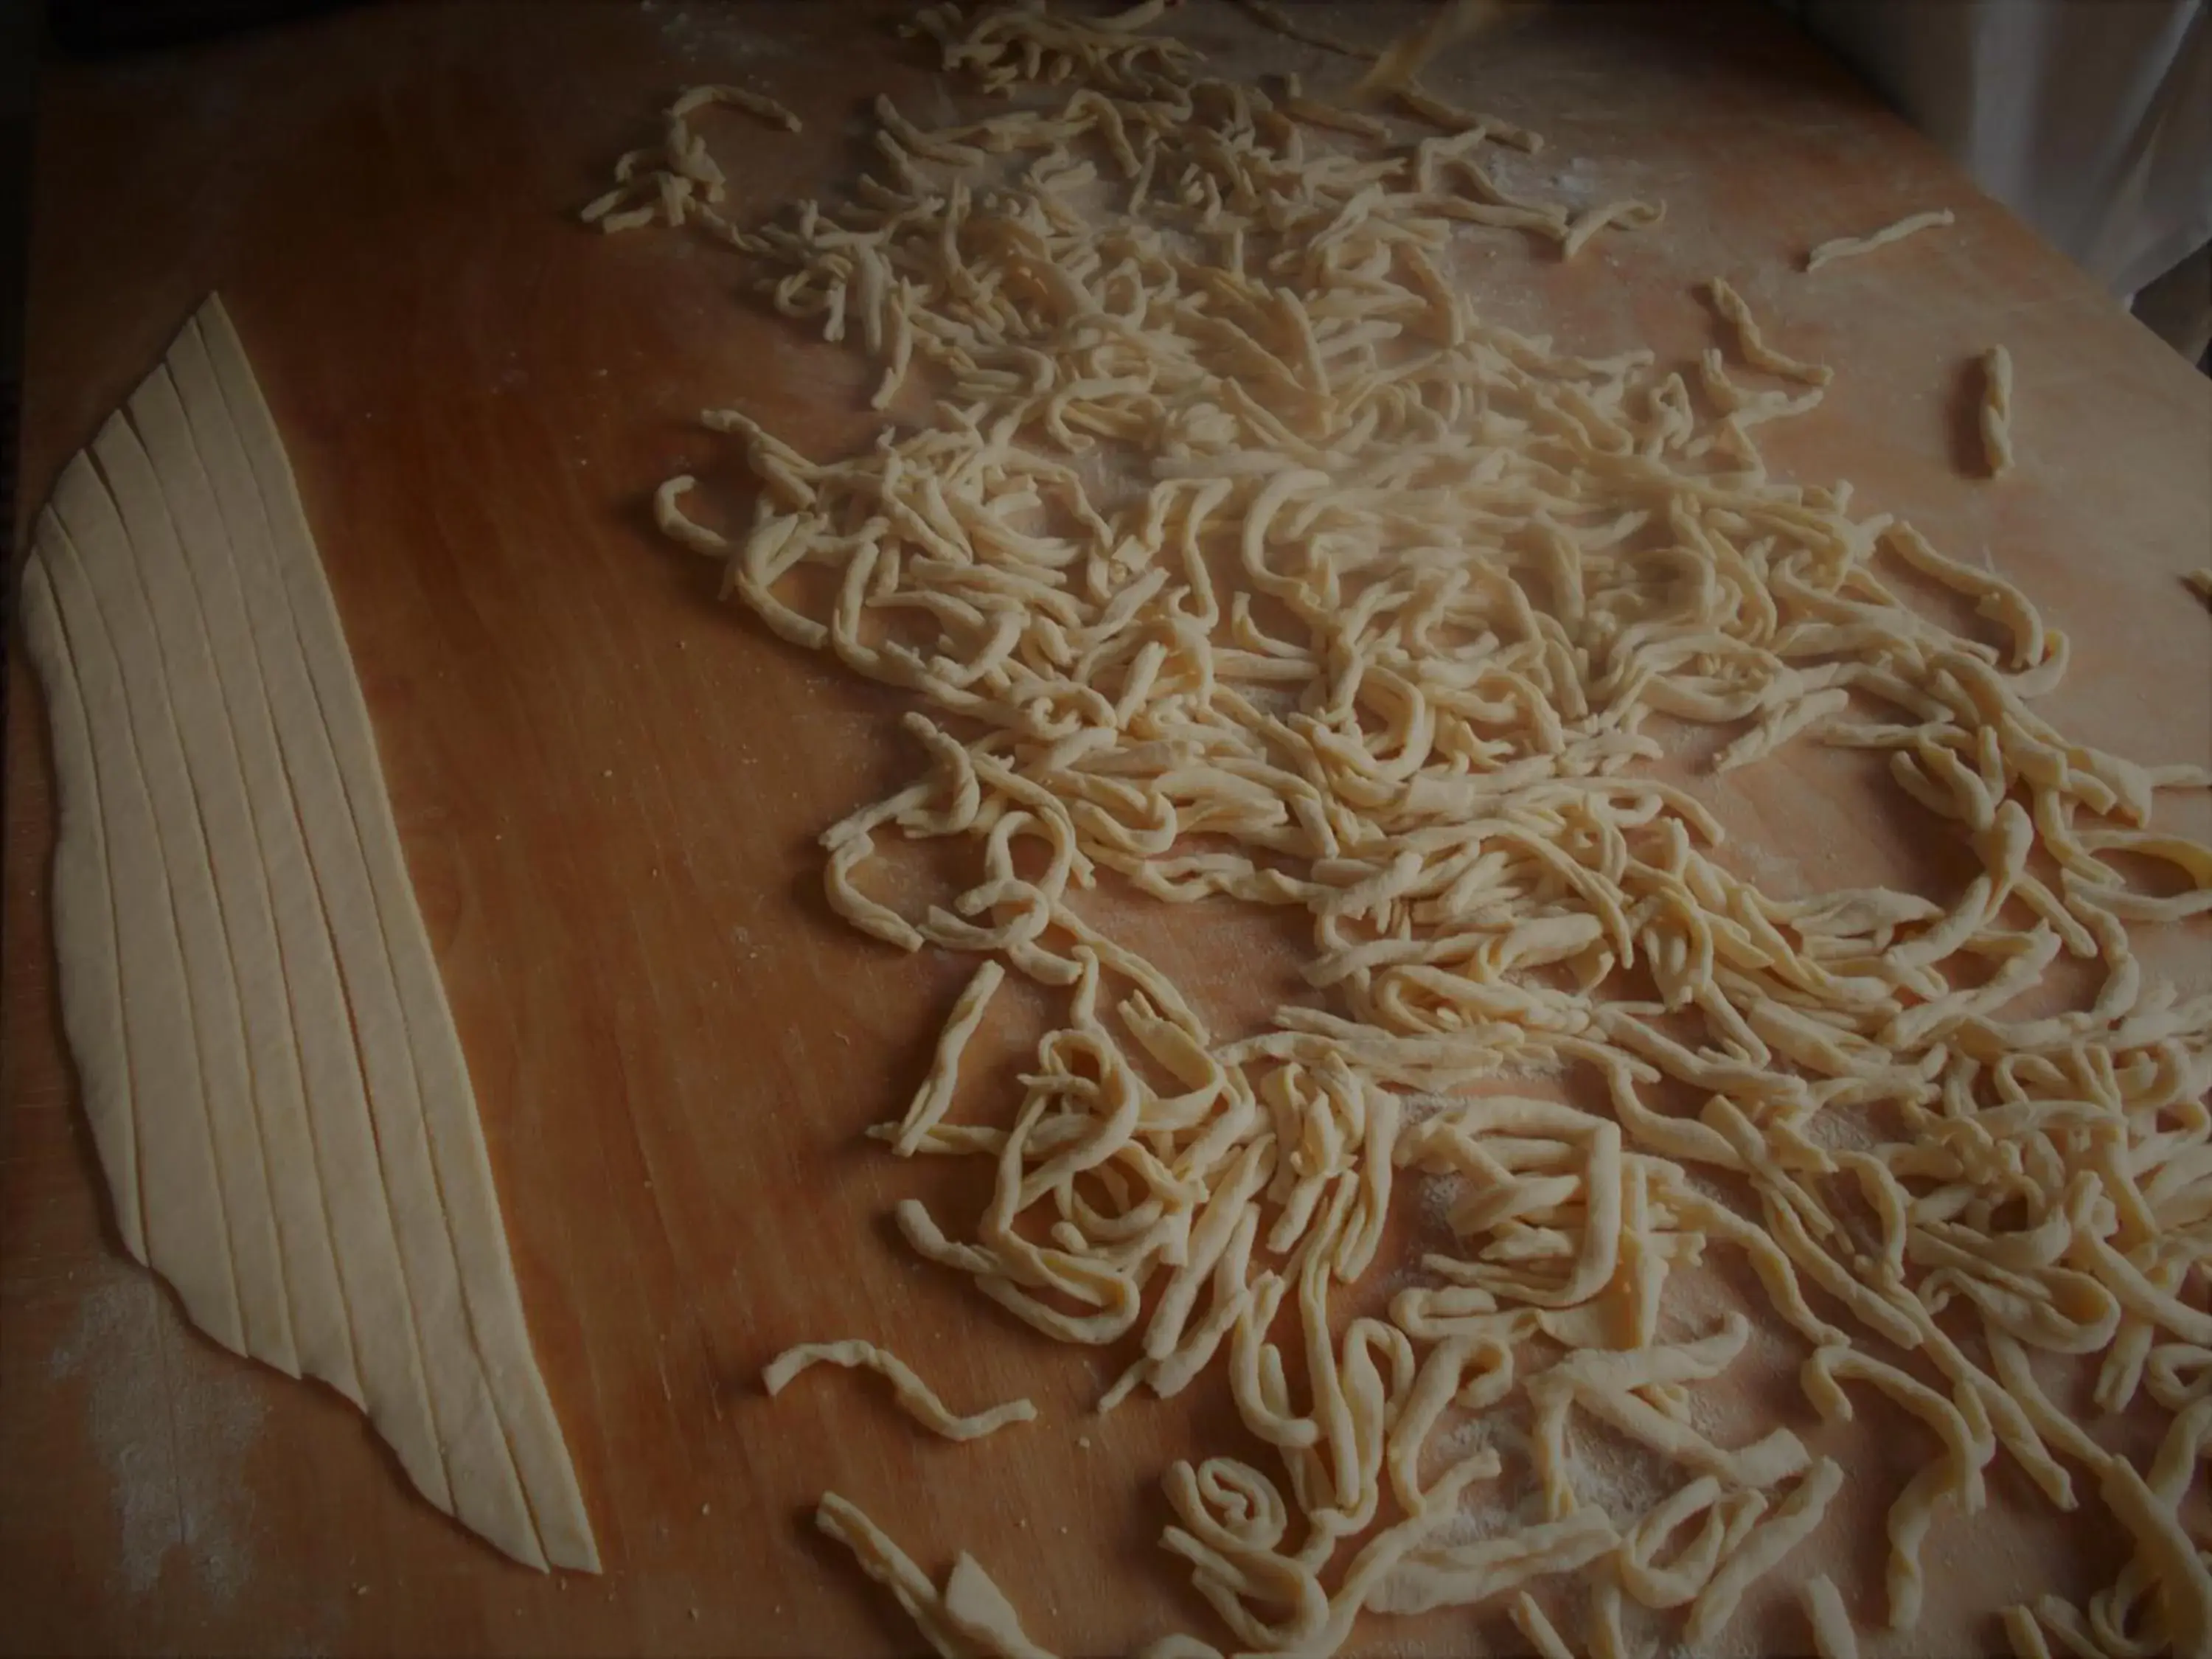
(276, 1088)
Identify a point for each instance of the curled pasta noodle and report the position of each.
(1543, 1636)
(935, 1095)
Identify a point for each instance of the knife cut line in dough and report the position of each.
(389, 1374)
(276, 1091)
(1530, 1620)
(916, 1397)
(1751, 342)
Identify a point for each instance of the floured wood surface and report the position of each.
(607, 788)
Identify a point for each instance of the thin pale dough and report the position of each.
(1833, 1637)
(932, 1100)
(304, 1112)
(1485, 562)
(1996, 410)
(492, 1320)
(916, 1397)
(970, 1618)
(110, 561)
(1846, 247)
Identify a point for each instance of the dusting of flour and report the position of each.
(169, 1441)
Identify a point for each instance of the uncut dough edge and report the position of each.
(526, 1501)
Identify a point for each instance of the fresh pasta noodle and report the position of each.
(914, 1396)
(969, 1619)
(2169, 1555)
(687, 185)
(1833, 1635)
(1997, 409)
(1846, 247)
(1773, 1538)
(1239, 558)
(935, 1095)
(1543, 1636)
(1751, 344)
(1968, 1446)
(752, 103)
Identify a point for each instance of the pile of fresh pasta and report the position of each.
(1233, 556)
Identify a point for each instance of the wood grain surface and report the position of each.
(609, 786)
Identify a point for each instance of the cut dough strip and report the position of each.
(916, 1397)
(1847, 248)
(99, 550)
(971, 1619)
(1752, 344)
(1484, 563)
(1833, 1637)
(276, 1088)
(1283, 23)
(1997, 409)
(124, 934)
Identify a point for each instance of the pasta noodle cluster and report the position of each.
(1237, 556)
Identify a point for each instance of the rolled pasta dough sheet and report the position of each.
(275, 1087)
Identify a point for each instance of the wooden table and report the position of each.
(608, 787)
